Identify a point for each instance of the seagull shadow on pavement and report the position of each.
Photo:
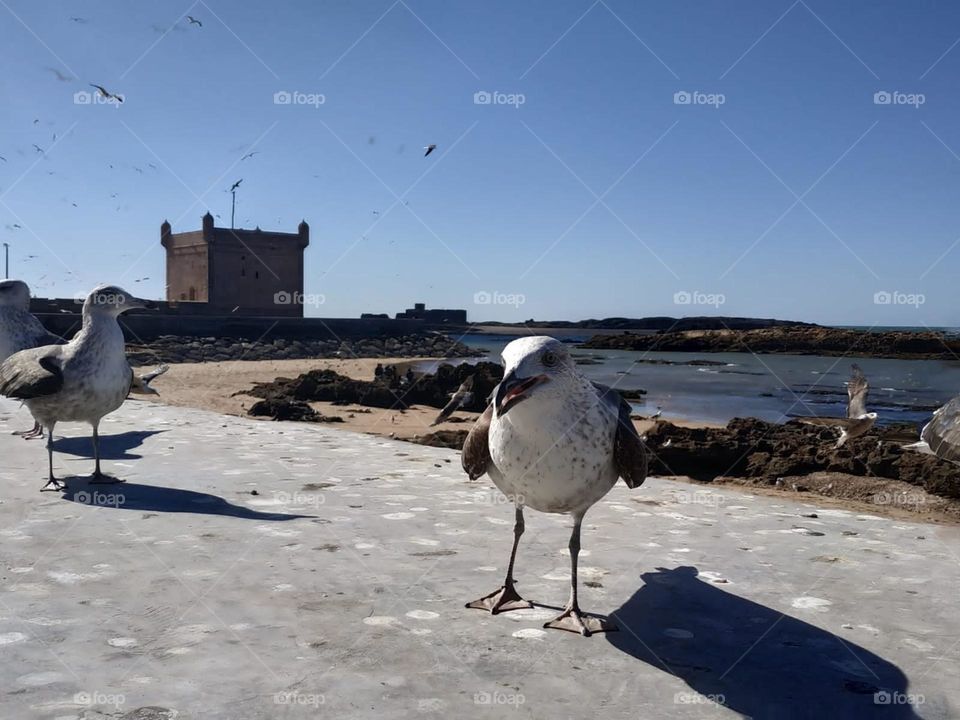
(112, 447)
(152, 498)
(750, 658)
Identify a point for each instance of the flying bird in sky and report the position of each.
(194, 21)
(106, 93)
(235, 185)
(429, 149)
(250, 155)
(59, 75)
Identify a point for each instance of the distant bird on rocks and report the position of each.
(657, 414)
(858, 421)
(554, 441)
(106, 94)
(463, 396)
(81, 381)
(429, 149)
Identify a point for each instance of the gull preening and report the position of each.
(81, 381)
(554, 441)
(858, 421)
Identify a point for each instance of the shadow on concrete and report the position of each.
(751, 658)
(112, 447)
(151, 498)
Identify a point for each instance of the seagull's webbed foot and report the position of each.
(99, 478)
(54, 485)
(503, 600)
(574, 620)
(32, 434)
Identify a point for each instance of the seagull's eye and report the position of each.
(550, 358)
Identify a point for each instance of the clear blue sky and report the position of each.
(699, 195)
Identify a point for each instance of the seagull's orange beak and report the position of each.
(513, 390)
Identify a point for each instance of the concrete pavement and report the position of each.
(276, 570)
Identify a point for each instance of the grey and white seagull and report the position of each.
(19, 330)
(858, 421)
(461, 397)
(556, 442)
(80, 381)
(941, 436)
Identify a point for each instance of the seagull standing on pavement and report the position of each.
(81, 381)
(554, 441)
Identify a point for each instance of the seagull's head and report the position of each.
(14, 293)
(111, 300)
(533, 366)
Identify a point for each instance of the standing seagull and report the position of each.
(557, 442)
(81, 381)
(19, 330)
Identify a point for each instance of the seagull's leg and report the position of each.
(572, 618)
(36, 432)
(52, 481)
(98, 477)
(506, 598)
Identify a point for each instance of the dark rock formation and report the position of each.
(279, 409)
(750, 448)
(175, 349)
(797, 340)
(390, 390)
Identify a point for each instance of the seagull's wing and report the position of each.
(462, 396)
(476, 458)
(141, 383)
(942, 433)
(827, 421)
(857, 390)
(31, 373)
(629, 452)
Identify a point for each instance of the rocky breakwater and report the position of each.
(804, 340)
(177, 349)
(750, 448)
(289, 398)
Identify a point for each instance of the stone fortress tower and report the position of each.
(247, 272)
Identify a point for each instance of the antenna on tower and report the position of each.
(233, 204)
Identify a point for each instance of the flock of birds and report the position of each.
(550, 439)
